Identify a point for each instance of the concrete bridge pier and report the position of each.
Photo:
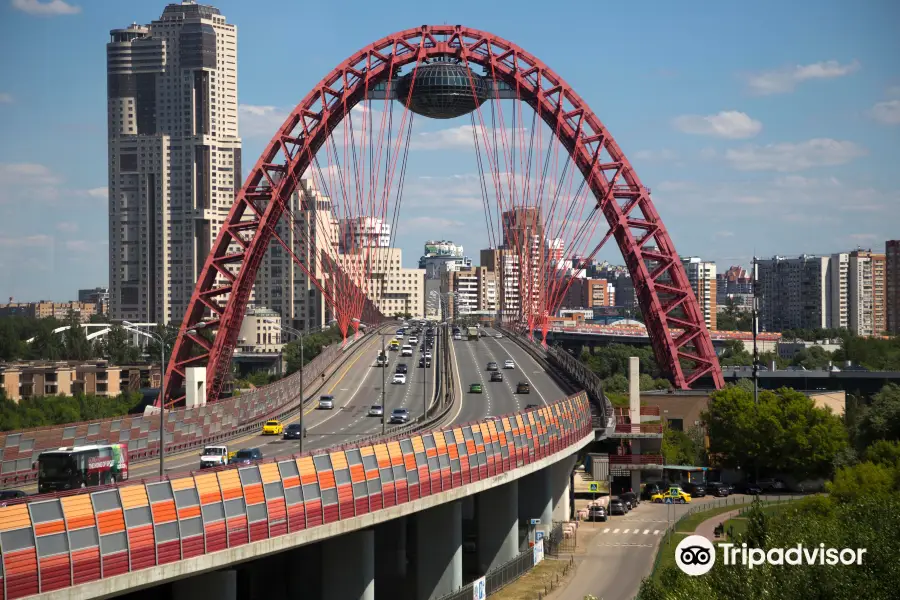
(217, 584)
(348, 566)
(436, 553)
(536, 500)
(390, 559)
(497, 522)
(561, 476)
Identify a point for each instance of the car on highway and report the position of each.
(413, 339)
(673, 495)
(245, 456)
(631, 498)
(530, 406)
(376, 410)
(399, 378)
(499, 336)
(496, 376)
(399, 416)
(428, 355)
(394, 345)
(523, 387)
(509, 364)
(326, 402)
(406, 350)
(213, 456)
(293, 432)
(492, 366)
(273, 427)
(457, 337)
(402, 368)
(7, 495)
(597, 512)
(381, 360)
(617, 507)
(475, 388)
(424, 362)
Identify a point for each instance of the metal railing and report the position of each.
(496, 579)
(557, 542)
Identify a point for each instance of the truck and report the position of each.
(472, 333)
(76, 467)
(214, 456)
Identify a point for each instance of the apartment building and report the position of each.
(473, 289)
(504, 263)
(311, 232)
(442, 256)
(391, 287)
(794, 293)
(892, 286)
(45, 309)
(174, 156)
(874, 279)
(260, 331)
(702, 277)
(589, 293)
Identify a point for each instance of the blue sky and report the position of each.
(767, 127)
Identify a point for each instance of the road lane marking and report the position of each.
(616, 531)
(646, 531)
(606, 530)
(627, 530)
(656, 532)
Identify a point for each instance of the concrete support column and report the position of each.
(636, 474)
(437, 555)
(390, 559)
(536, 502)
(221, 585)
(497, 520)
(561, 474)
(348, 566)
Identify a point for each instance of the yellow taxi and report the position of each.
(674, 495)
(273, 428)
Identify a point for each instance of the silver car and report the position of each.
(376, 410)
(326, 402)
(509, 364)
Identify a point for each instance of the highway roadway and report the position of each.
(499, 398)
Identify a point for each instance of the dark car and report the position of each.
(530, 406)
(597, 513)
(718, 489)
(293, 432)
(631, 498)
(399, 416)
(653, 487)
(424, 362)
(247, 456)
(695, 489)
(492, 366)
(402, 368)
(523, 387)
(617, 507)
(750, 488)
(9, 495)
(496, 376)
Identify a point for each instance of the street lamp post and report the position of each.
(383, 384)
(162, 387)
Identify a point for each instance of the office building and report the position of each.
(702, 277)
(392, 288)
(892, 286)
(174, 156)
(357, 233)
(794, 293)
(441, 256)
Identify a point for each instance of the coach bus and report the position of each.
(81, 466)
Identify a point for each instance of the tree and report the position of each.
(757, 526)
(881, 419)
(812, 358)
(733, 318)
(77, 346)
(683, 448)
(850, 483)
(785, 433)
(735, 353)
(875, 354)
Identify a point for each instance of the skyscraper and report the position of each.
(794, 292)
(174, 155)
(702, 276)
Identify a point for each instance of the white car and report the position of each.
(428, 355)
(413, 339)
(326, 402)
(499, 336)
(509, 364)
(214, 456)
(376, 410)
(399, 378)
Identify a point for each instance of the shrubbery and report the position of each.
(61, 410)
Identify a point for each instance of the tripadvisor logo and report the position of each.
(696, 555)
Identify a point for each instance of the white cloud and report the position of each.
(260, 121)
(6, 98)
(461, 138)
(664, 155)
(28, 241)
(81, 245)
(101, 193)
(781, 81)
(863, 237)
(887, 113)
(67, 227)
(53, 8)
(728, 124)
(27, 182)
(723, 234)
(788, 157)
(416, 223)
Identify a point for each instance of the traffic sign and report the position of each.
(594, 487)
(668, 501)
(535, 521)
(538, 535)
(479, 589)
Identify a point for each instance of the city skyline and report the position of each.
(803, 180)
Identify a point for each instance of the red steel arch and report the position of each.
(675, 323)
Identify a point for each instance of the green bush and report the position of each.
(61, 410)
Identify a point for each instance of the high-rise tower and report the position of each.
(174, 155)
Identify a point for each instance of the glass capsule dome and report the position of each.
(443, 90)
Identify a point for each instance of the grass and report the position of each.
(666, 552)
(537, 582)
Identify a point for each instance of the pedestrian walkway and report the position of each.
(707, 527)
